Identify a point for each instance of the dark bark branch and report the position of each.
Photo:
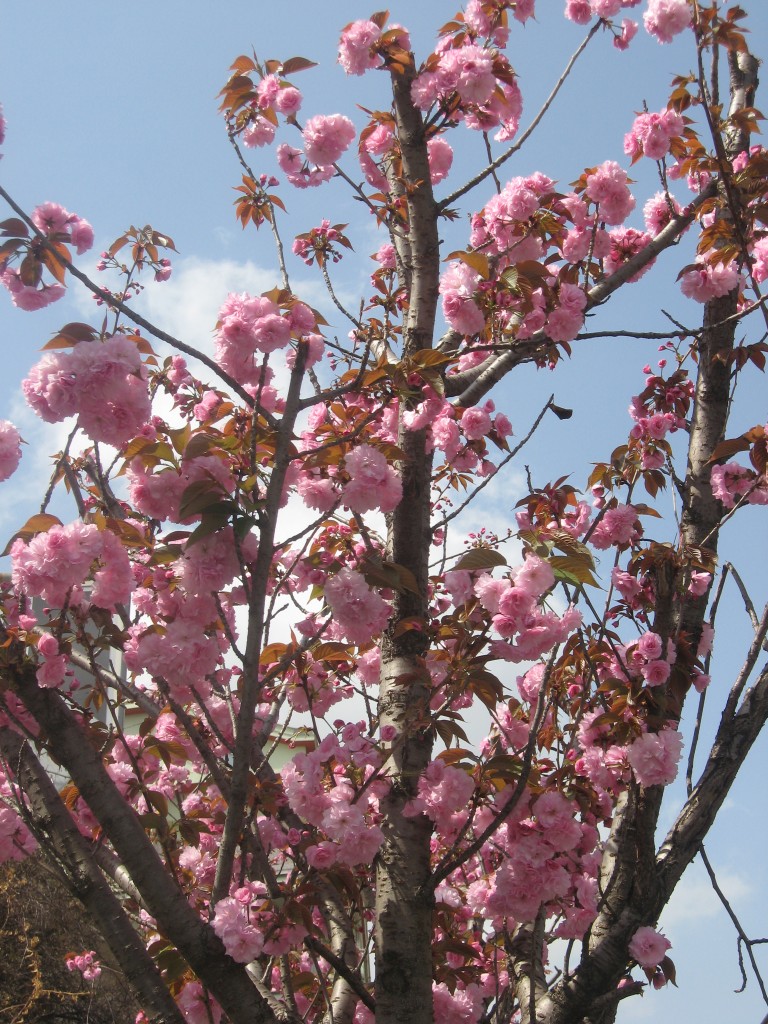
(61, 838)
(195, 940)
(473, 384)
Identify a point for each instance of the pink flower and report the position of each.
(535, 576)
(652, 133)
(457, 286)
(666, 18)
(259, 133)
(564, 322)
(709, 282)
(104, 383)
(648, 947)
(440, 156)
(618, 526)
(654, 757)
(469, 71)
(578, 11)
(731, 481)
(656, 673)
(51, 672)
(288, 100)
(321, 855)
(628, 33)
(373, 483)
(649, 646)
(51, 219)
(10, 449)
(241, 940)
(355, 54)
(607, 185)
(53, 562)
(81, 235)
(360, 612)
(326, 137)
(86, 963)
(626, 243)
(25, 296)
(475, 423)
(699, 583)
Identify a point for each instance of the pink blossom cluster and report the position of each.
(326, 138)
(180, 637)
(10, 449)
(626, 243)
(232, 923)
(196, 1004)
(444, 796)
(484, 21)
(582, 11)
(648, 656)
(665, 19)
(469, 73)
(661, 409)
(53, 663)
(59, 224)
(566, 319)
(618, 526)
(318, 243)
(651, 134)
(103, 383)
(654, 757)
(709, 281)
(659, 211)
(458, 288)
(607, 186)
(61, 227)
(158, 492)
(273, 97)
(501, 226)
(731, 482)
(329, 800)
(16, 841)
(545, 856)
(446, 426)
(63, 558)
(462, 1004)
(760, 259)
(360, 613)
(26, 296)
(372, 483)
(251, 327)
(87, 963)
(526, 631)
(357, 52)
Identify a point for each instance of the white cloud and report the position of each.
(694, 900)
(187, 305)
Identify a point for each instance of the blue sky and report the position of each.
(112, 112)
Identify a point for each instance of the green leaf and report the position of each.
(574, 568)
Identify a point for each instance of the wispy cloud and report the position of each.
(694, 900)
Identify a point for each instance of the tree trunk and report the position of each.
(404, 902)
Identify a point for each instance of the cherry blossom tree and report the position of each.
(272, 535)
